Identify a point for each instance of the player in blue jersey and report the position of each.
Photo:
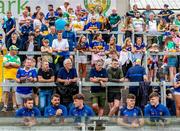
(130, 115)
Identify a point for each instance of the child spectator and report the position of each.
(126, 55)
(48, 53)
(97, 48)
(153, 62)
(140, 48)
(82, 47)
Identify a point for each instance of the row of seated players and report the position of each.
(130, 115)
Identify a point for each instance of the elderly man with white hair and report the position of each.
(67, 79)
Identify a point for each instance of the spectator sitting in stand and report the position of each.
(131, 116)
(28, 111)
(80, 109)
(56, 109)
(155, 110)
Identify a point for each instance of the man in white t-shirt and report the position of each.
(152, 29)
(78, 25)
(138, 23)
(61, 47)
(23, 18)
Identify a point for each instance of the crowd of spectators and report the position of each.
(112, 60)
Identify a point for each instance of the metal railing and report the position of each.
(80, 83)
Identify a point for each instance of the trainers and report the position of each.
(4, 109)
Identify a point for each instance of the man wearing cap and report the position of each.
(136, 73)
(155, 110)
(166, 13)
(79, 108)
(11, 62)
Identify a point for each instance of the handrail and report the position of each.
(90, 53)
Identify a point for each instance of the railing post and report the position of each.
(145, 63)
(163, 93)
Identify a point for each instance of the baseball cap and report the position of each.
(138, 60)
(13, 47)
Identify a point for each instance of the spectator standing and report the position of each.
(50, 8)
(14, 40)
(48, 53)
(153, 62)
(23, 18)
(78, 24)
(60, 23)
(147, 13)
(10, 26)
(70, 36)
(126, 55)
(166, 13)
(132, 13)
(151, 28)
(25, 30)
(26, 74)
(177, 93)
(127, 28)
(130, 115)
(170, 46)
(98, 48)
(82, 47)
(98, 75)
(11, 63)
(115, 74)
(45, 75)
(67, 78)
(52, 35)
(106, 27)
(139, 49)
(114, 20)
(136, 74)
(138, 25)
(38, 37)
(61, 47)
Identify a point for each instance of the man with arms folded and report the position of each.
(11, 63)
